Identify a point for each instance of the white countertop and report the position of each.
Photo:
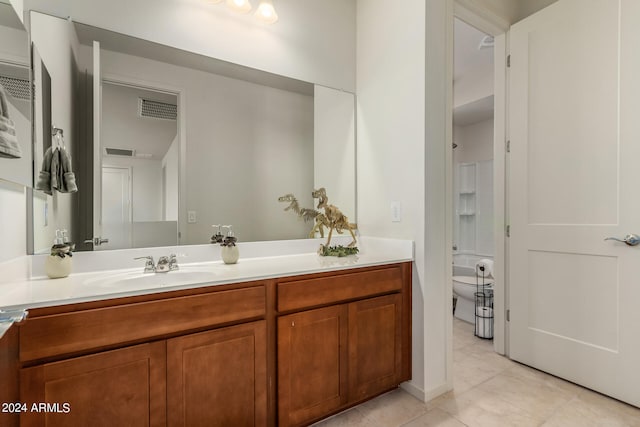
(116, 283)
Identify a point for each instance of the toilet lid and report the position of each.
(471, 280)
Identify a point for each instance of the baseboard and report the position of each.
(437, 392)
(414, 391)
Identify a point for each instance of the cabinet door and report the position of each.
(375, 346)
(218, 378)
(312, 364)
(123, 387)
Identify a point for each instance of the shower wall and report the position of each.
(473, 189)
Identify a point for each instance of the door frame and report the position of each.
(492, 24)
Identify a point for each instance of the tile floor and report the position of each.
(490, 390)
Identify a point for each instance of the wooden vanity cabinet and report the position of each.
(215, 377)
(281, 352)
(120, 387)
(218, 378)
(336, 356)
(312, 364)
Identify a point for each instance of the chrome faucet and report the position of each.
(149, 266)
(166, 264)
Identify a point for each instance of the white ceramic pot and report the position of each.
(57, 267)
(230, 254)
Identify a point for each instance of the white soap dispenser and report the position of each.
(59, 262)
(229, 252)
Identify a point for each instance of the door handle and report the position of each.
(629, 239)
(97, 241)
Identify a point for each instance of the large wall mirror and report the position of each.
(15, 99)
(165, 143)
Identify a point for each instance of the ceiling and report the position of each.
(469, 60)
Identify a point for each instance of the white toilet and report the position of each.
(465, 288)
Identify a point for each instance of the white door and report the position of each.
(116, 207)
(574, 170)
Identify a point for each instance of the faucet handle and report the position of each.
(173, 262)
(150, 265)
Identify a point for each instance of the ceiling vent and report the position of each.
(18, 88)
(157, 109)
(122, 152)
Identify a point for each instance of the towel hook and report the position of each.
(58, 135)
(57, 131)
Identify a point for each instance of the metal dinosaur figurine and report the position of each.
(332, 218)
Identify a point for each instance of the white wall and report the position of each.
(313, 40)
(13, 224)
(14, 43)
(171, 163)
(473, 86)
(391, 136)
(123, 127)
(59, 46)
(334, 147)
(475, 142)
(14, 49)
(252, 139)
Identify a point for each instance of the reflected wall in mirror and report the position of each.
(140, 167)
(240, 139)
(15, 100)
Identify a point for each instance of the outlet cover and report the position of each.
(191, 217)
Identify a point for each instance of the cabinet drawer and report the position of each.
(329, 289)
(78, 331)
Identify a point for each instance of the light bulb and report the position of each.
(240, 6)
(266, 13)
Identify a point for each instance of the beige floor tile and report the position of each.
(538, 399)
(472, 371)
(435, 418)
(579, 412)
(350, 418)
(531, 374)
(392, 409)
(477, 408)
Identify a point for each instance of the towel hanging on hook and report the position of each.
(56, 171)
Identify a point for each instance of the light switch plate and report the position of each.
(191, 217)
(396, 211)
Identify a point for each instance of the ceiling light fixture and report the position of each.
(240, 6)
(266, 13)
(486, 42)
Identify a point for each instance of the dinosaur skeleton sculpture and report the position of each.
(332, 218)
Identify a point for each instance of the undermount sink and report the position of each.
(186, 275)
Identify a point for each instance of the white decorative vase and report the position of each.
(57, 267)
(230, 254)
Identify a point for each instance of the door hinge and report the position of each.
(508, 315)
(508, 61)
(508, 231)
(508, 146)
